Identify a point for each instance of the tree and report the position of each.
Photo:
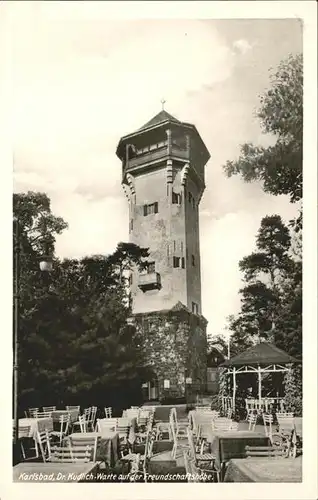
(75, 344)
(268, 274)
(218, 341)
(278, 167)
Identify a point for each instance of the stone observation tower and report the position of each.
(163, 178)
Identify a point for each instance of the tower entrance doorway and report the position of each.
(150, 390)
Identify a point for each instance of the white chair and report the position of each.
(42, 441)
(68, 408)
(234, 426)
(108, 412)
(142, 418)
(177, 444)
(106, 424)
(70, 454)
(203, 408)
(180, 428)
(251, 419)
(229, 413)
(64, 421)
(85, 441)
(49, 408)
(283, 414)
(222, 424)
(268, 422)
(33, 412)
(82, 421)
(123, 426)
(91, 418)
(24, 432)
(44, 414)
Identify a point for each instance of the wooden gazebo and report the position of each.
(260, 359)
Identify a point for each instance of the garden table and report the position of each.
(36, 424)
(231, 444)
(49, 472)
(107, 445)
(264, 470)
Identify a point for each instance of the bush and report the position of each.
(293, 390)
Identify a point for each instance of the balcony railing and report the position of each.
(157, 154)
(149, 281)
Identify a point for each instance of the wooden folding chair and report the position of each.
(206, 459)
(264, 451)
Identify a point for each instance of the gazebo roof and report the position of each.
(262, 353)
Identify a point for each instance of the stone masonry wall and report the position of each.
(175, 345)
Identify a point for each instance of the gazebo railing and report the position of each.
(264, 405)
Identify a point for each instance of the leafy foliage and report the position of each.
(75, 344)
(218, 341)
(278, 167)
(293, 390)
(271, 297)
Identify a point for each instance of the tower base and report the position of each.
(175, 346)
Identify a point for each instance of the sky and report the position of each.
(80, 82)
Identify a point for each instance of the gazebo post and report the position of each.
(259, 383)
(234, 388)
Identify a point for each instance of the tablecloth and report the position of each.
(202, 419)
(264, 470)
(162, 412)
(231, 444)
(49, 472)
(36, 424)
(107, 445)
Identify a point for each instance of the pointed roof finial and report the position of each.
(163, 103)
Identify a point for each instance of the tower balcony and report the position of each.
(149, 281)
(155, 155)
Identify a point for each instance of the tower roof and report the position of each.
(161, 117)
(161, 120)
